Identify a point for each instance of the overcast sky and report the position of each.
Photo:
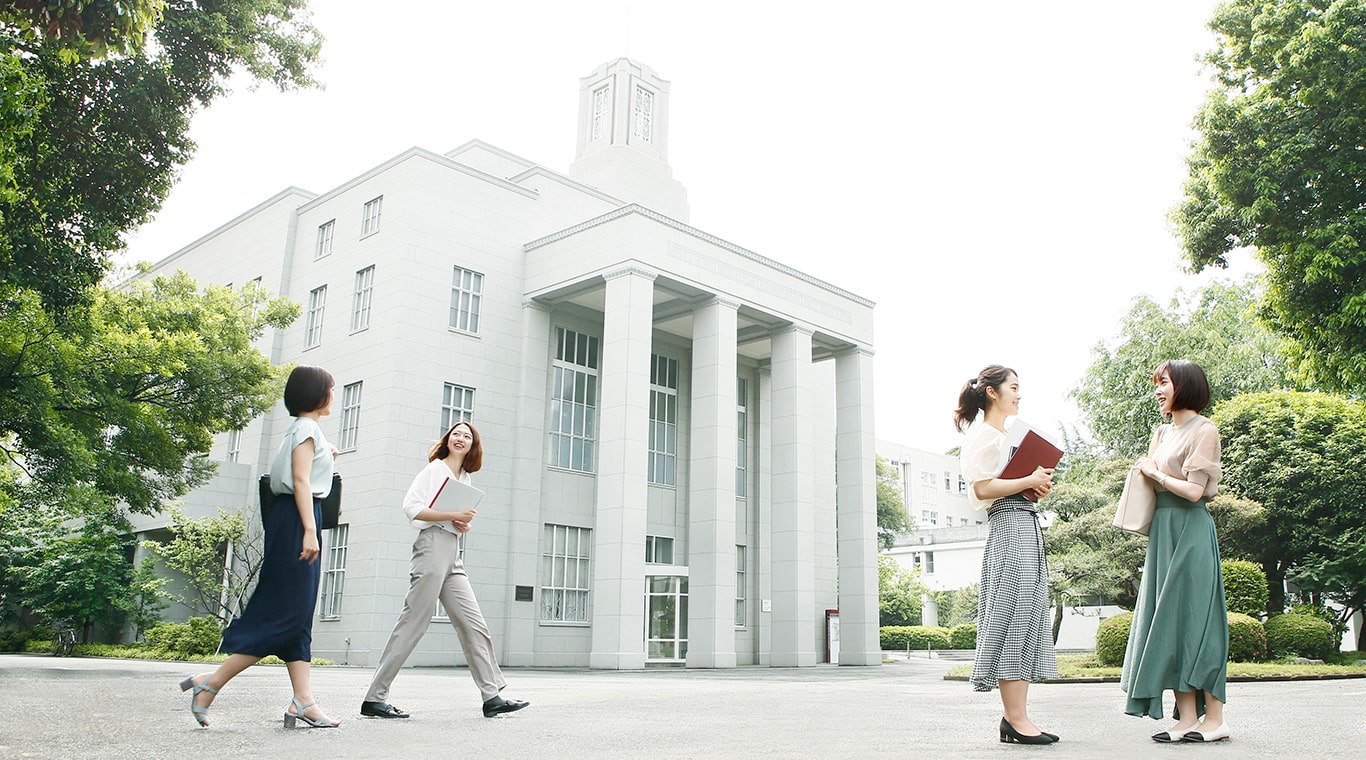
(995, 175)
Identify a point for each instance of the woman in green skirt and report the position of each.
(1179, 637)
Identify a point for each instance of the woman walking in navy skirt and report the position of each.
(278, 619)
(1014, 640)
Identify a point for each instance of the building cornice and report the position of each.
(306, 196)
(639, 210)
(421, 153)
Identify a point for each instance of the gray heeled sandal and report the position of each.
(201, 714)
(298, 714)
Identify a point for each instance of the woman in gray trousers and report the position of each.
(438, 573)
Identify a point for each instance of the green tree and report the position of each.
(90, 148)
(131, 386)
(1213, 327)
(1304, 457)
(891, 510)
(1339, 576)
(901, 593)
(218, 558)
(1278, 167)
(86, 29)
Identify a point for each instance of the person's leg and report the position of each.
(1214, 713)
(1014, 695)
(300, 679)
(457, 596)
(433, 553)
(1185, 711)
(206, 687)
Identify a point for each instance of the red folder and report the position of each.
(1034, 452)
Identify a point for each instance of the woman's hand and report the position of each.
(310, 549)
(1040, 482)
(464, 516)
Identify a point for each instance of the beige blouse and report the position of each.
(1191, 451)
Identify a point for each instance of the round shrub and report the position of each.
(901, 637)
(1296, 635)
(196, 636)
(963, 636)
(1244, 586)
(1112, 638)
(1324, 614)
(1246, 638)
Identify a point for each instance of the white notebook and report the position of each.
(455, 495)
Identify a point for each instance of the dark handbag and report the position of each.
(331, 502)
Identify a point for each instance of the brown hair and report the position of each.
(474, 458)
(973, 398)
(1189, 382)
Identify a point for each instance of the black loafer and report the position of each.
(381, 710)
(498, 706)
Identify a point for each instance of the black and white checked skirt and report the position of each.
(1014, 634)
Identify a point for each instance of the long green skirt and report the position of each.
(1179, 637)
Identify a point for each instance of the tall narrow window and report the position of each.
(326, 231)
(601, 104)
(334, 574)
(467, 290)
(741, 434)
(350, 417)
(740, 614)
(574, 401)
(360, 301)
(457, 403)
(234, 444)
(662, 465)
(659, 550)
(313, 330)
(565, 574)
(369, 220)
(642, 114)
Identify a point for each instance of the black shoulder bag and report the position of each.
(331, 502)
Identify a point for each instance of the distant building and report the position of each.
(665, 414)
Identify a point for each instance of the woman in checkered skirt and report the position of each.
(1014, 638)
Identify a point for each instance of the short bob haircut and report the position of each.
(306, 389)
(474, 458)
(1188, 380)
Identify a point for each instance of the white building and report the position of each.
(665, 415)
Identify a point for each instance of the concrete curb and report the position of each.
(1231, 679)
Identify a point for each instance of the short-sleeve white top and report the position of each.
(282, 466)
(982, 457)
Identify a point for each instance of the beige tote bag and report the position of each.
(1136, 504)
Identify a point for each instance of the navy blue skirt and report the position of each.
(278, 619)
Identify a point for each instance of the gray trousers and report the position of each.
(438, 573)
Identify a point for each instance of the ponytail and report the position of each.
(973, 398)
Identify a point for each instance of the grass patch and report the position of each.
(145, 652)
(1087, 666)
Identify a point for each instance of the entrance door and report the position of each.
(666, 618)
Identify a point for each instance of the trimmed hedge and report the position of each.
(1297, 635)
(963, 636)
(1246, 638)
(1245, 588)
(1112, 638)
(196, 636)
(902, 637)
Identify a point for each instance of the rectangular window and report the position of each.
(334, 574)
(600, 116)
(741, 434)
(369, 220)
(642, 115)
(360, 302)
(574, 401)
(962, 486)
(662, 465)
(467, 290)
(457, 404)
(927, 478)
(659, 550)
(313, 329)
(740, 616)
(350, 417)
(234, 444)
(326, 231)
(565, 574)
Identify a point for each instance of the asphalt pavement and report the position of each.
(53, 707)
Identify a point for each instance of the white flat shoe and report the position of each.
(1172, 735)
(1219, 734)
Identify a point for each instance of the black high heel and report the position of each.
(1010, 735)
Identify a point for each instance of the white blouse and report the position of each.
(982, 457)
(424, 489)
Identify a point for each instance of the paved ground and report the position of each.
(93, 708)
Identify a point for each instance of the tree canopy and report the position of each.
(891, 509)
(1278, 166)
(1213, 327)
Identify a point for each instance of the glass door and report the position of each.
(666, 618)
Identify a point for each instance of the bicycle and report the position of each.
(66, 642)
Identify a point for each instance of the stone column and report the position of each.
(856, 508)
(711, 488)
(619, 523)
(795, 628)
(524, 526)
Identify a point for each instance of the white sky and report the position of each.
(996, 175)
